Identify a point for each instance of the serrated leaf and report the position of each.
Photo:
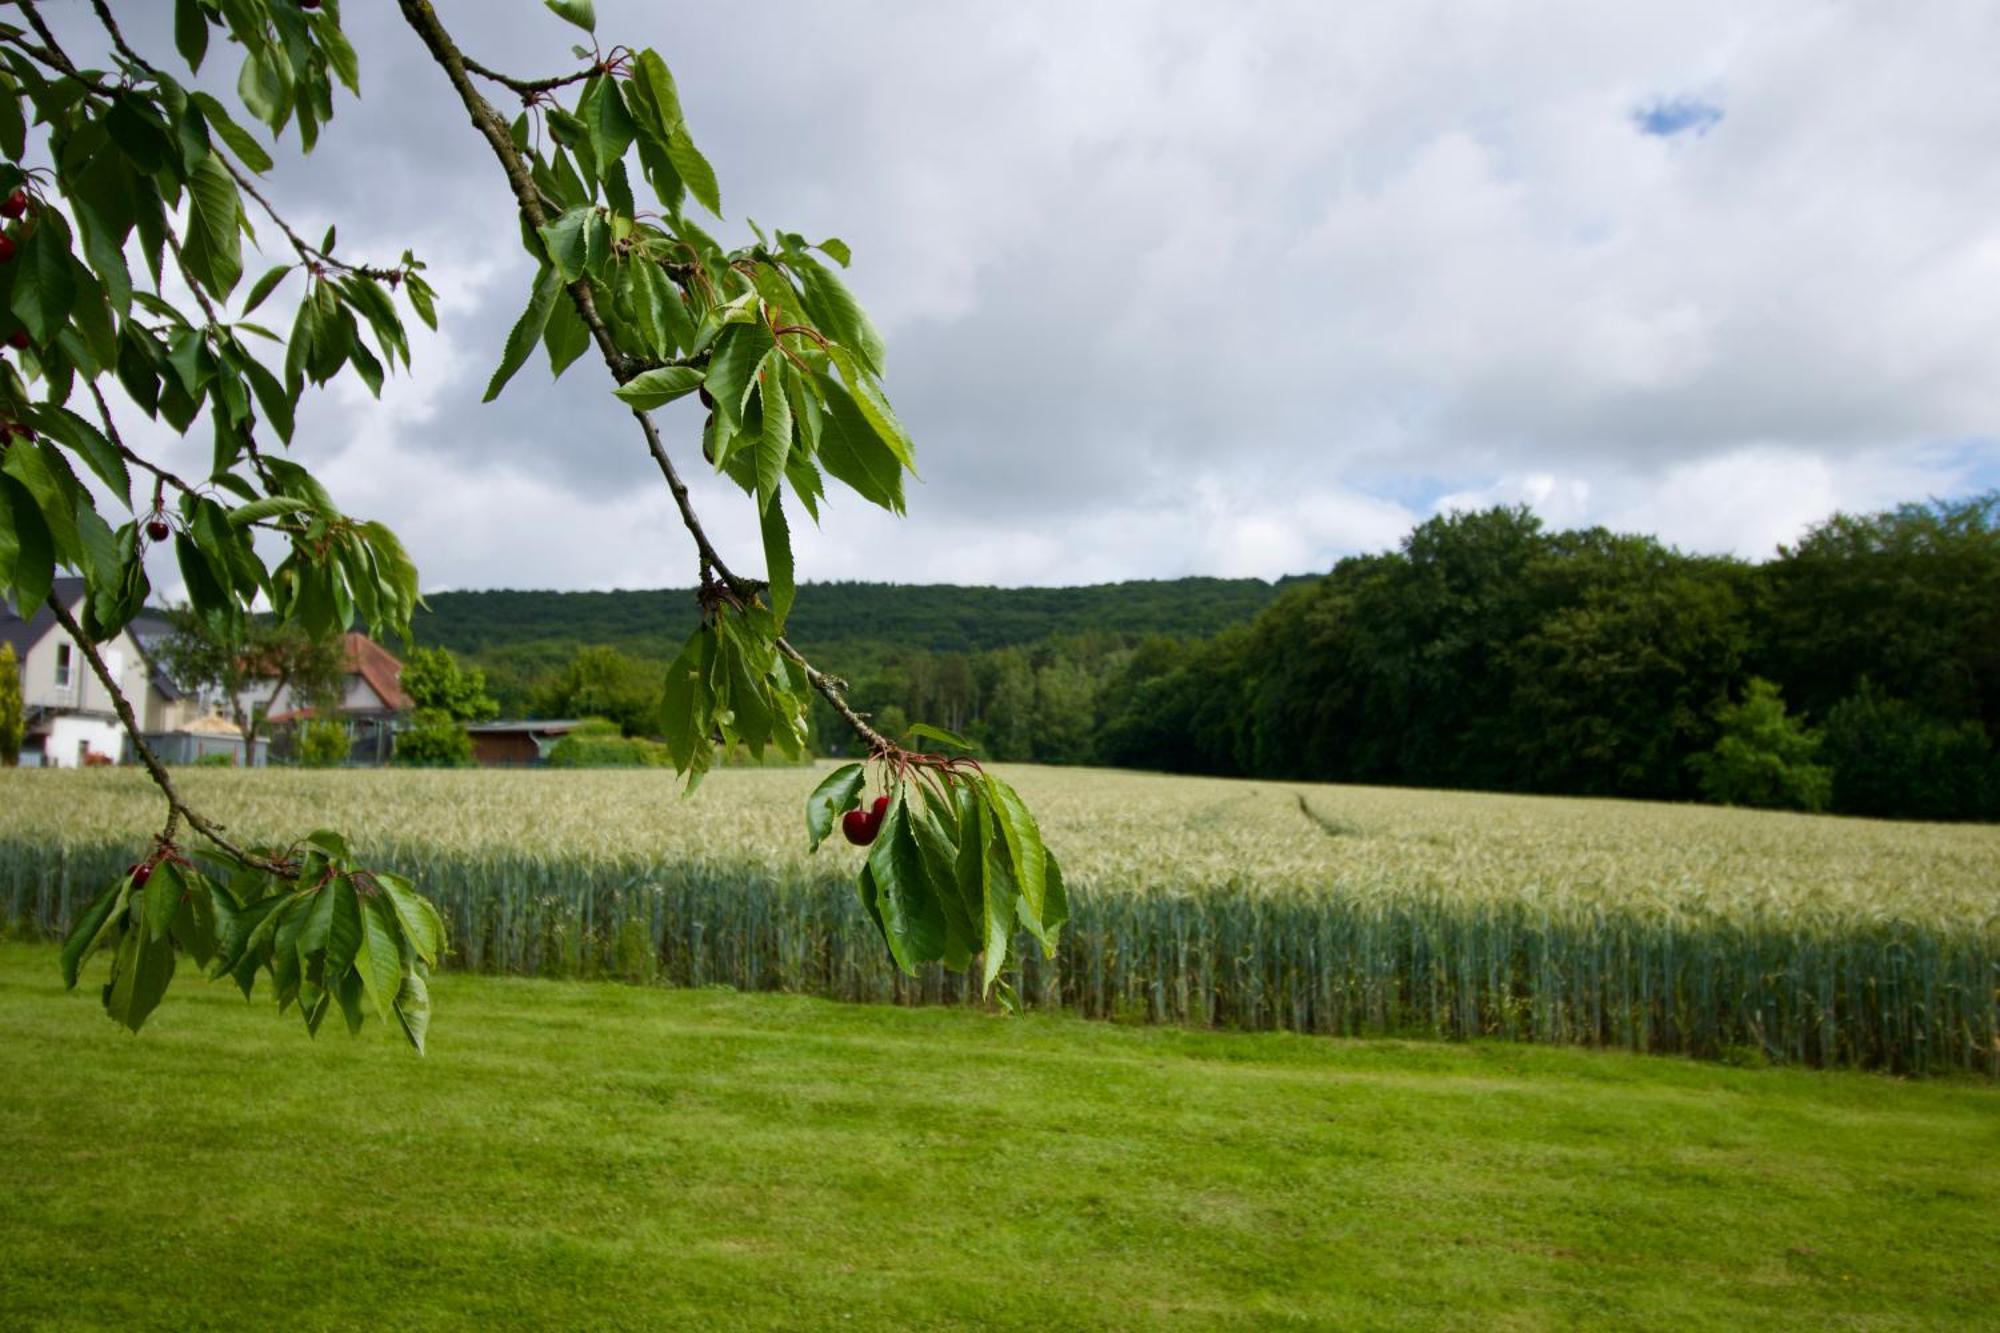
(660, 386)
(421, 924)
(837, 793)
(912, 918)
(836, 312)
(527, 330)
(268, 507)
(693, 169)
(213, 245)
(579, 12)
(564, 241)
(850, 449)
(1023, 837)
(378, 957)
(239, 139)
(413, 1009)
(778, 570)
(774, 444)
(92, 926)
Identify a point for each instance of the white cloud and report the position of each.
(1182, 289)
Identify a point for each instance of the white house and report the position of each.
(372, 704)
(70, 715)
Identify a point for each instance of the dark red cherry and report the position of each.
(859, 828)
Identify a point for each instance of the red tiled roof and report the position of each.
(380, 668)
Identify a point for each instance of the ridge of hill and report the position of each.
(934, 617)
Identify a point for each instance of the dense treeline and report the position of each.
(1490, 652)
(1858, 670)
(930, 617)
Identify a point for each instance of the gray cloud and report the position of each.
(1238, 288)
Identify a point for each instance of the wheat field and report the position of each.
(1349, 910)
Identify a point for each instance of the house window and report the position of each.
(63, 652)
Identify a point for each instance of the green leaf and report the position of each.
(732, 367)
(579, 12)
(239, 139)
(1024, 846)
(343, 933)
(265, 286)
(778, 558)
(962, 937)
(660, 386)
(869, 398)
(213, 245)
(565, 337)
(836, 312)
(912, 919)
(190, 32)
(527, 330)
(774, 444)
(850, 449)
(693, 169)
(413, 1004)
(563, 239)
(658, 82)
(139, 978)
(997, 893)
(422, 926)
(378, 958)
(684, 702)
(925, 732)
(837, 249)
(837, 793)
(97, 452)
(268, 507)
(91, 927)
(609, 123)
(44, 282)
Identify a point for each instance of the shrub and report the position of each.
(433, 740)
(323, 742)
(1764, 757)
(578, 751)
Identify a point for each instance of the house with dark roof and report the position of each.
(372, 702)
(70, 715)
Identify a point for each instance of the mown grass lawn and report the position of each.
(607, 1156)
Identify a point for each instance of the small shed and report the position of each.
(203, 737)
(515, 744)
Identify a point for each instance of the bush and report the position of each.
(433, 740)
(1892, 760)
(323, 742)
(215, 761)
(1764, 757)
(575, 751)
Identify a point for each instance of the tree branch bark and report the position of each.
(178, 808)
(492, 126)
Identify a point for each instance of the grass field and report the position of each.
(1254, 904)
(575, 1155)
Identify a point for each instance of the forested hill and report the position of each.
(926, 617)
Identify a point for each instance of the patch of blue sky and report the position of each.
(1668, 117)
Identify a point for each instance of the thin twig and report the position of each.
(493, 128)
(177, 807)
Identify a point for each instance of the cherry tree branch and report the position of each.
(486, 119)
(177, 807)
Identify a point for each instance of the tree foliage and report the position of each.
(1764, 756)
(435, 681)
(253, 667)
(114, 157)
(13, 716)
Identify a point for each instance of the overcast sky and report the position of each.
(1233, 288)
